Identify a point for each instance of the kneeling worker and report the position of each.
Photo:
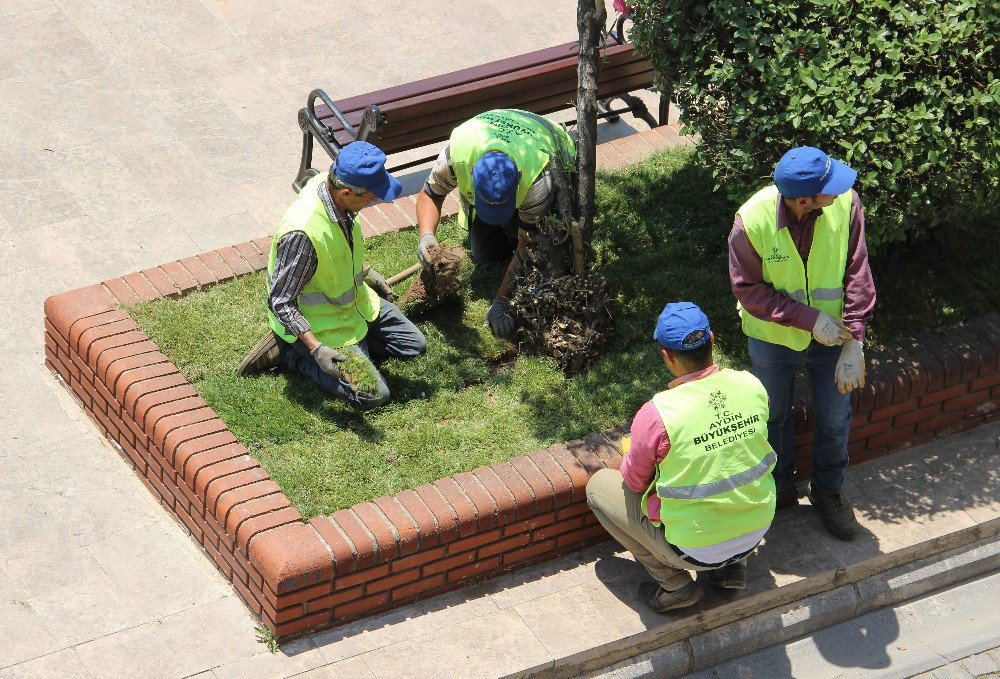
(321, 301)
(695, 491)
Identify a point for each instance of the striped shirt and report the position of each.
(295, 264)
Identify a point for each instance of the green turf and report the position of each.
(469, 400)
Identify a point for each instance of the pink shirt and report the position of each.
(746, 273)
(650, 445)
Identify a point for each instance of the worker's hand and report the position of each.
(500, 319)
(829, 330)
(850, 373)
(376, 282)
(425, 242)
(328, 359)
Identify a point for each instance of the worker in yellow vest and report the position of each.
(500, 163)
(694, 491)
(798, 265)
(323, 299)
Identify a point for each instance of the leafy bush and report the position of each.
(904, 91)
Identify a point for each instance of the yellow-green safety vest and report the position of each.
(715, 484)
(819, 283)
(336, 302)
(522, 135)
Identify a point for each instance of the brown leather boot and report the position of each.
(264, 356)
(837, 513)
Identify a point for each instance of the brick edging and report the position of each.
(301, 576)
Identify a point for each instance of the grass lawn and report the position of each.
(469, 401)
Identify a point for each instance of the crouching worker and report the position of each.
(695, 491)
(322, 300)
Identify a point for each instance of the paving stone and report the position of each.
(84, 610)
(64, 664)
(223, 232)
(980, 663)
(294, 657)
(22, 634)
(23, 199)
(352, 668)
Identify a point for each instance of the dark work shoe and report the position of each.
(264, 356)
(733, 576)
(837, 513)
(788, 495)
(660, 600)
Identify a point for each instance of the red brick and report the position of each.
(557, 528)
(181, 278)
(211, 486)
(142, 287)
(361, 577)
(502, 496)
(529, 524)
(234, 260)
(180, 453)
(408, 206)
(891, 439)
(364, 545)
(870, 430)
(464, 509)
(135, 390)
(587, 456)
(365, 605)
(413, 589)
(958, 427)
(383, 532)
(253, 257)
(930, 365)
(577, 472)
(103, 324)
(416, 560)
(968, 401)
(574, 509)
(950, 361)
(334, 599)
(199, 271)
(396, 217)
(213, 260)
(130, 371)
(301, 625)
(445, 516)
(541, 489)
(391, 581)
(163, 283)
(186, 519)
(486, 508)
(426, 523)
(168, 428)
(247, 597)
(583, 536)
(944, 394)
(66, 308)
(122, 292)
(479, 568)
(192, 460)
(939, 422)
(474, 541)
(133, 355)
(252, 508)
(344, 556)
(893, 410)
(405, 526)
(987, 382)
(524, 499)
(918, 415)
(256, 525)
(449, 563)
(607, 445)
(562, 484)
(983, 409)
(504, 545)
(263, 245)
(101, 345)
(526, 553)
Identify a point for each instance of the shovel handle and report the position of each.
(403, 275)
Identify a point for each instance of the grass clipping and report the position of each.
(560, 314)
(447, 276)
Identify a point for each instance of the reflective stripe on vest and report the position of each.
(703, 490)
(348, 297)
(714, 483)
(817, 282)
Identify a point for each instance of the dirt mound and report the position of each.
(560, 314)
(447, 276)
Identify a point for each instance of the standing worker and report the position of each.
(500, 163)
(694, 491)
(798, 264)
(322, 301)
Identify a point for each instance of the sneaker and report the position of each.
(733, 576)
(788, 495)
(264, 356)
(837, 513)
(660, 600)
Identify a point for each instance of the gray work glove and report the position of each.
(328, 359)
(376, 282)
(500, 319)
(829, 330)
(427, 240)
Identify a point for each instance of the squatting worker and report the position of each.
(798, 264)
(500, 163)
(322, 303)
(694, 491)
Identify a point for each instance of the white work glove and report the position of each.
(500, 320)
(850, 373)
(425, 242)
(829, 330)
(328, 359)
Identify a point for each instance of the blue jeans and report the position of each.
(390, 335)
(774, 365)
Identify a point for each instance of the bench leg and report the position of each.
(306, 171)
(603, 106)
(639, 109)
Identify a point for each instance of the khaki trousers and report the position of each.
(619, 509)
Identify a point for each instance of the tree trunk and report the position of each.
(590, 19)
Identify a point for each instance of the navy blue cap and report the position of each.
(495, 178)
(676, 322)
(806, 171)
(362, 165)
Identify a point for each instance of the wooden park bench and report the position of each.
(425, 112)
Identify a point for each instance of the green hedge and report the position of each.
(905, 92)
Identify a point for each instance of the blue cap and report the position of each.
(362, 165)
(495, 178)
(676, 322)
(805, 171)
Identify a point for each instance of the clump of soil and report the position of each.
(447, 276)
(560, 314)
